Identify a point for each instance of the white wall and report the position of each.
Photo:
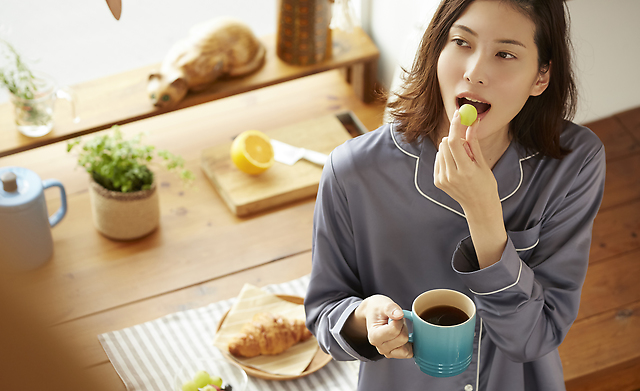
(605, 34)
(78, 40)
(606, 37)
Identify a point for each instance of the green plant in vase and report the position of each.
(123, 190)
(24, 87)
(32, 93)
(15, 75)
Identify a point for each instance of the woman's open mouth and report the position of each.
(481, 107)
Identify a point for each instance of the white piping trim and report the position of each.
(521, 175)
(505, 288)
(346, 350)
(398, 146)
(530, 247)
(479, 346)
(440, 204)
(415, 181)
(338, 338)
(415, 178)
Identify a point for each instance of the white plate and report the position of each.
(229, 372)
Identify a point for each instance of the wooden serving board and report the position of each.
(245, 194)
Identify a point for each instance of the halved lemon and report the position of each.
(252, 152)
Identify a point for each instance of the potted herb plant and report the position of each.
(123, 194)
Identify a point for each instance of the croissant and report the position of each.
(267, 334)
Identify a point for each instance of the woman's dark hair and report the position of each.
(419, 109)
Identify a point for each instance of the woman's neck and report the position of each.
(494, 147)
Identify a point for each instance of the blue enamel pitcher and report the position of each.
(25, 224)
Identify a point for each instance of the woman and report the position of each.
(502, 210)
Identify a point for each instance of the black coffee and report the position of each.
(444, 315)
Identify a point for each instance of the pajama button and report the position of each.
(468, 387)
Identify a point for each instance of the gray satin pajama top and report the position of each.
(382, 227)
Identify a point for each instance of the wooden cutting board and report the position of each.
(245, 194)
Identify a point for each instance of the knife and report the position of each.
(288, 154)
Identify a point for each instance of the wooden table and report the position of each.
(123, 98)
(201, 253)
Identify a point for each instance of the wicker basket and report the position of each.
(124, 216)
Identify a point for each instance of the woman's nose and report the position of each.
(476, 70)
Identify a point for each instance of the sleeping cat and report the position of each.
(220, 47)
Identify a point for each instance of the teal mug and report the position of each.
(443, 343)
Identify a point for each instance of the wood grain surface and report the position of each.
(122, 98)
(203, 253)
(281, 184)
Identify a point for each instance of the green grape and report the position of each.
(468, 115)
(189, 385)
(202, 378)
(216, 381)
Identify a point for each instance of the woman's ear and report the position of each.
(542, 82)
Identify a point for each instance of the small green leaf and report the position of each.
(121, 165)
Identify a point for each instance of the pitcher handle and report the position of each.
(70, 95)
(56, 217)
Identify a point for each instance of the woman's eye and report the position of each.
(505, 55)
(460, 42)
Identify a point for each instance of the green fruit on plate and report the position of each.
(189, 385)
(202, 378)
(468, 114)
(216, 381)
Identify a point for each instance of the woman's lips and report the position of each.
(481, 107)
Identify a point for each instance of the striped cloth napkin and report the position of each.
(148, 355)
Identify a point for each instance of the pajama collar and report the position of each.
(507, 171)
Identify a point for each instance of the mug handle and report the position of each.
(409, 316)
(68, 94)
(56, 217)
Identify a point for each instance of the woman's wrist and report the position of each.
(355, 328)
(488, 233)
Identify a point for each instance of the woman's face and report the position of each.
(491, 61)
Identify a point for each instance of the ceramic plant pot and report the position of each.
(124, 216)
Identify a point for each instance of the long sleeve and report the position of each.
(528, 307)
(334, 290)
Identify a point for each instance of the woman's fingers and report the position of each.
(454, 153)
(381, 334)
(391, 340)
(447, 155)
(456, 128)
(474, 143)
(457, 141)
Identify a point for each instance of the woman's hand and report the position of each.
(460, 169)
(371, 318)
(462, 172)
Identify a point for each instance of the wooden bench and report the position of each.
(122, 98)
